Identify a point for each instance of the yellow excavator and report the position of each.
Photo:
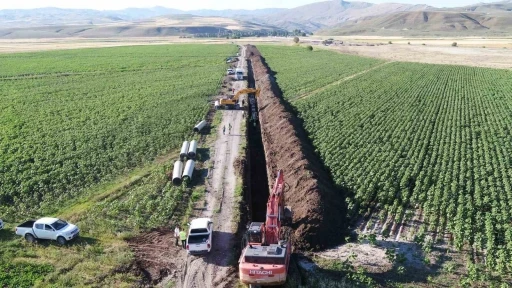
(233, 102)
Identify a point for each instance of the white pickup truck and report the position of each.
(199, 240)
(48, 229)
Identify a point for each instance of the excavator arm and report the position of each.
(275, 208)
(246, 91)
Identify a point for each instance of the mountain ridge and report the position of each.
(334, 17)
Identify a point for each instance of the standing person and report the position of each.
(229, 128)
(177, 234)
(224, 130)
(183, 238)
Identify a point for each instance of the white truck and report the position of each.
(239, 74)
(49, 229)
(199, 240)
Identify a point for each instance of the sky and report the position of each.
(200, 4)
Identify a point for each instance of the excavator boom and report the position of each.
(274, 211)
(266, 258)
(231, 103)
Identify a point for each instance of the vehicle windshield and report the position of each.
(59, 224)
(197, 239)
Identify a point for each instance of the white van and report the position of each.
(199, 239)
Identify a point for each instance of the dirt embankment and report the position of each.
(317, 206)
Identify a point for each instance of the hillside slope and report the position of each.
(330, 13)
(175, 25)
(57, 16)
(427, 23)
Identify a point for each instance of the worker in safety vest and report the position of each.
(183, 238)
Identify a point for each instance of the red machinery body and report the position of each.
(266, 258)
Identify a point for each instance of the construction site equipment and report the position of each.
(200, 126)
(266, 258)
(184, 150)
(189, 169)
(233, 102)
(192, 148)
(177, 172)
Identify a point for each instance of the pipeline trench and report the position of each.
(257, 174)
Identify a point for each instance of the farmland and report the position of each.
(89, 135)
(407, 138)
(72, 119)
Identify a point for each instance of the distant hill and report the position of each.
(57, 16)
(320, 15)
(174, 25)
(334, 17)
(424, 23)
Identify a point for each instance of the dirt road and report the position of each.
(215, 269)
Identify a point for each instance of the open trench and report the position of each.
(258, 193)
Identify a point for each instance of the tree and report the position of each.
(309, 48)
(454, 44)
(296, 39)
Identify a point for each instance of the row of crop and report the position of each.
(302, 71)
(60, 135)
(428, 135)
(107, 60)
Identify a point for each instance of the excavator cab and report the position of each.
(255, 233)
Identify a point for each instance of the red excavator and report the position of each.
(266, 258)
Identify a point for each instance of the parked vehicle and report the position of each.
(239, 74)
(199, 240)
(1, 224)
(49, 229)
(231, 71)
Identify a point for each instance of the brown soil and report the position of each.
(156, 254)
(317, 206)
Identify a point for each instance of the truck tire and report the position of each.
(30, 238)
(61, 240)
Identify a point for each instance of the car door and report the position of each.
(210, 229)
(45, 233)
(39, 230)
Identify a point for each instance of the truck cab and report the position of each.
(48, 229)
(200, 234)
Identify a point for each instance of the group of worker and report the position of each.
(180, 235)
(224, 129)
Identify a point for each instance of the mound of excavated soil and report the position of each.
(317, 206)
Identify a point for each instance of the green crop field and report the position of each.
(71, 119)
(301, 71)
(407, 136)
(79, 133)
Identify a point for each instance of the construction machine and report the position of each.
(266, 258)
(233, 102)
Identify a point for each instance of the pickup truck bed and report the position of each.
(28, 224)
